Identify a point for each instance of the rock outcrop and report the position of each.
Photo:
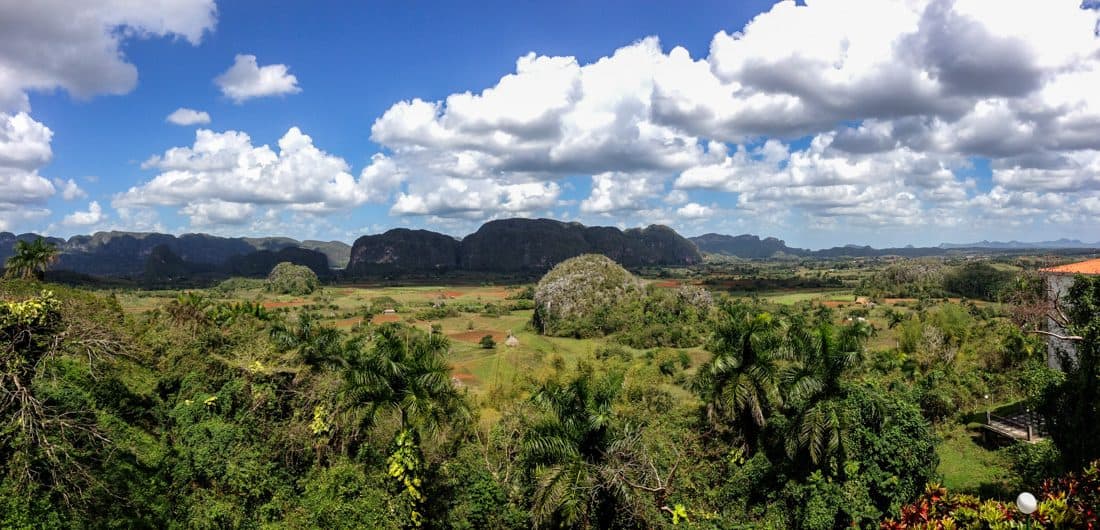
(582, 295)
(127, 253)
(403, 250)
(517, 246)
(745, 246)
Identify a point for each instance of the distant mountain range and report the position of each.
(508, 246)
(745, 246)
(139, 254)
(750, 246)
(505, 246)
(517, 246)
(1060, 243)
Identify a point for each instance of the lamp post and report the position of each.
(988, 408)
(1027, 504)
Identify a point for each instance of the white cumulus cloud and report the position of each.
(896, 98)
(70, 190)
(185, 116)
(694, 210)
(246, 80)
(223, 177)
(76, 46)
(93, 216)
(24, 148)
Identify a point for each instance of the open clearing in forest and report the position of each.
(969, 467)
(478, 369)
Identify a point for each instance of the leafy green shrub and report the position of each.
(341, 496)
(1067, 502)
(527, 292)
(236, 285)
(380, 303)
(977, 280)
(437, 313)
(487, 342)
(288, 278)
(495, 310)
(1034, 463)
(612, 351)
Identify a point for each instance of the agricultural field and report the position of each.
(901, 353)
(355, 307)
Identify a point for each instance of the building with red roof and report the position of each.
(1058, 281)
(1091, 266)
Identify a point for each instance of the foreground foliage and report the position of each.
(1072, 501)
(206, 412)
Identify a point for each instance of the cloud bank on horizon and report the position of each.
(841, 115)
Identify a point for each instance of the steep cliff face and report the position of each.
(259, 263)
(504, 246)
(127, 253)
(658, 245)
(163, 266)
(745, 246)
(403, 250)
(518, 245)
(514, 245)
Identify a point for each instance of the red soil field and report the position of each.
(379, 319)
(896, 301)
(669, 284)
(463, 377)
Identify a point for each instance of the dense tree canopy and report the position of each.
(212, 411)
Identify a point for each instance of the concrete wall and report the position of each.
(1057, 349)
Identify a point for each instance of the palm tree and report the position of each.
(576, 457)
(815, 391)
(316, 345)
(405, 375)
(31, 260)
(739, 384)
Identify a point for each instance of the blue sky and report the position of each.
(833, 123)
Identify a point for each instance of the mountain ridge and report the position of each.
(517, 245)
(119, 253)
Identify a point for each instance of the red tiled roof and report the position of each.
(1091, 266)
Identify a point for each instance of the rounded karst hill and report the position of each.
(288, 278)
(585, 296)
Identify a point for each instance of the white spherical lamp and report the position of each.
(1026, 503)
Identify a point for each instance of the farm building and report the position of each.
(1058, 280)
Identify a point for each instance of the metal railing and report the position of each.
(1026, 426)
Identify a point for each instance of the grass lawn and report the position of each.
(969, 467)
(791, 298)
